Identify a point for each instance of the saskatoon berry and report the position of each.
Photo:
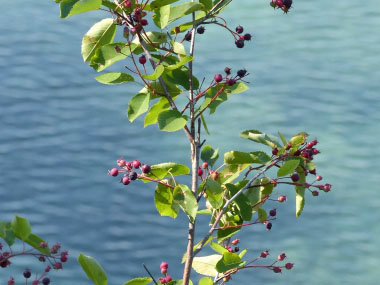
(125, 180)
(287, 3)
(64, 258)
(142, 59)
(239, 29)
(309, 145)
(200, 171)
(237, 249)
(218, 78)
(188, 37)
(269, 226)
(164, 270)
(129, 165)
(168, 279)
(295, 177)
(214, 175)
(133, 175)
(247, 37)
(136, 164)
(276, 269)
(273, 212)
(281, 199)
(264, 254)
(127, 4)
(289, 265)
(137, 11)
(275, 151)
(315, 193)
(46, 281)
(27, 273)
(201, 30)
(231, 82)
(118, 49)
(11, 281)
(239, 43)
(281, 257)
(164, 265)
(235, 241)
(327, 187)
(318, 178)
(273, 3)
(279, 3)
(205, 165)
(227, 70)
(134, 30)
(144, 22)
(313, 171)
(241, 72)
(145, 168)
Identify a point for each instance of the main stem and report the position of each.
(194, 151)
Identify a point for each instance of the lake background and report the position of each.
(316, 69)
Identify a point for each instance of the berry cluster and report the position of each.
(239, 38)
(127, 168)
(234, 243)
(285, 5)
(213, 174)
(228, 79)
(281, 257)
(55, 259)
(164, 270)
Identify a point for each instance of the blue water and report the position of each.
(315, 69)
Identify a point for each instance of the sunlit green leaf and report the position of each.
(163, 198)
(206, 281)
(218, 248)
(209, 155)
(157, 73)
(21, 227)
(113, 78)
(288, 167)
(262, 138)
(73, 7)
(171, 121)
(138, 105)
(205, 265)
(187, 201)
(167, 169)
(139, 281)
(93, 269)
(161, 16)
(228, 261)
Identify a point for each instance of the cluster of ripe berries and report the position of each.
(56, 253)
(164, 270)
(127, 168)
(234, 243)
(230, 81)
(239, 42)
(282, 4)
(281, 257)
(273, 213)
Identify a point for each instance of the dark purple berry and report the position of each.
(142, 59)
(241, 72)
(46, 281)
(273, 212)
(27, 273)
(145, 168)
(276, 269)
(137, 11)
(231, 82)
(218, 78)
(201, 30)
(136, 164)
(144, 22)
(188, 37)
(118, 49)
(315, 193)
(227, 70)
(295, 177)
(313, 171)
(269, 226)
(247, 37)
(239, 29)
(133, 175)
(237, 249)
(275, 151)
(289, 265)
(287, 3)
(239, 43)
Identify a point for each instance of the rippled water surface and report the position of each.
(316, 69)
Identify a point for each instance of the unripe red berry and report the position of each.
(230, 249)
(247, 37)
(121, 162)
(164, 270)
(137, 11)
(289, 265)
(27, 273)
(144, 22)
(281, 199)
(164, 265)
(142, 59)
(125, 180)
(134, 30)
(235, 241)
(227, 278)
(35, 282)
(42, 258)
(188, 37)
(127, 4)
(11, 281)
(318, 178)
(315, 151)
(239, 29)
(314, 142)
(168, 279)
(231, 82)
(200, 171)
(239, 43)
(297, 152)
(279, 3)
(113, 172)
(201, 30)
(327, 187)
(273, 3)
(227, 70)
(218, 78)
(264, 254)
(214, 175)
(315, 193)
(273, 212)
(275, 151)
(129, 165)
(281, 257)
(295, 177)
(310, 145)
(273, 182)
(63, 258)
(47, 268)
(58, 265)
(145, 168)
(205, 165)
(136, 164)
(313, 171)
(177, 30)
(277, 269)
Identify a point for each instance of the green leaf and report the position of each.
(204, 124)
(298, 139)
(222, 5)
(184, 9)
(21, 227)
(93, 269)
(241, 202)
(283, 139)
(262, 138)
(35, 241)
(157, 73)
(180, 76)
(262, 215)
(7, 233)
(238, 157)
(204, 212)
(300, 193)
(242, 253)
(209, 155)
(73, 7)
(179, 282)
(182, 62)
(179, 48)
(163, 198)
(161, 16)
(138, 105)
(187, 201)
(159, 3)
(218, 248)
(167, 169)
(206, 281)
(205, 265)
(288, 167)
(100, 34)
(171, 121)
(237, 88)
(227, 262)
(231, 172)
(207, 3)
(214, 192)
(113, 78)
(154, 37)
(109, 4)
(106, 55)
(222, 235)
(152, 117)
(139, 281)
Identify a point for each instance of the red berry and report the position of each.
(200, 171)
(315, 151)
(136, 164)
(315, 193)
(214, 175)
(230, 249)
(164, 270)
(279, 3)
(289, 265)
(127, 4)
(231, 82)
(144, 22)
(168, 279)
(235, 241)
(205, 165)
(276, 269)
(64, 258)
(269, 226)
(318, 178)
(218, 78)
(314, 142)
(58, 265)
(134, 30)
(275, 151)
(227, 70)
(273, 3)
(121, 162)
(137, 11)
(11, 281)
(129, 165)
(239, 29)
(295, 177)
(125, 180)
(273, 212)
(164, 265)
(281, 257)
(313, 171)
(145, 168)
(281, 199)
(264, 254)
(327, 187)
(142, 59)
(113, 172)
